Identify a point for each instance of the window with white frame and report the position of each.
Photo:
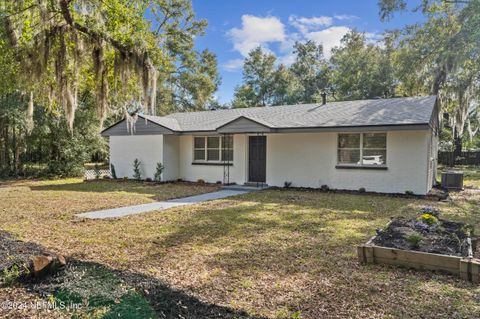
(213, 148)
(362, 149)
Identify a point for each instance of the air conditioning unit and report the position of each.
(452, 180)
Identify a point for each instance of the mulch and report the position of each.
(446, 237)
(16, 252)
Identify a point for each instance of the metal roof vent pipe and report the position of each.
(324, 98)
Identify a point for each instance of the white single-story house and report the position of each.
(381, 145)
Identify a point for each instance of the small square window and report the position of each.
(367, 149)
(213, 148)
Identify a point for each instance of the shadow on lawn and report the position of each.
(281, 231)
(100, 186)
(117, 294)
(125, 294)
(308, 248)
(310, 239)
(152, 190)
(326, 215)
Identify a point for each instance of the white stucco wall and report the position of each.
(125, 149)
(309, 160)
(171, 159)
(213, 174)
(305, 159)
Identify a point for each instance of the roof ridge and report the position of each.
(372, 112)
(171, 115)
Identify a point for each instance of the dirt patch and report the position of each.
(426, 233)
(16, 254)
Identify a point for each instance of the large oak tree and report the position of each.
(117, 48)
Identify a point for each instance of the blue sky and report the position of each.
(237, 26)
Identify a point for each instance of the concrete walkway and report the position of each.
(137, 209)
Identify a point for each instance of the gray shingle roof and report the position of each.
(379, 112)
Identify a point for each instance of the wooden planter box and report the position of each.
(467, 268)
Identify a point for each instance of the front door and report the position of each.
(257, 159)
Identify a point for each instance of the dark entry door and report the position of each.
(257, 159)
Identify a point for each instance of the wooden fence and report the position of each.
(466, 158)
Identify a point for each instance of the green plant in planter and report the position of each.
(468, 229)
(428, 219)
(136, 170)
(158, 172)
(414, 239)
(456, 239)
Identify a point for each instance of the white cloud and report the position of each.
(304, 24)
(265, 31)
(257, 31)
(329, 37)
(343, 17)
(233, 65)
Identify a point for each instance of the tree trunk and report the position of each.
(15, 164)
(457, 152)
(6, 136)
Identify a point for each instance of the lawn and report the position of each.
(273, 254)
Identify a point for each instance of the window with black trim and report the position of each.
(213, 149)
(365, 149)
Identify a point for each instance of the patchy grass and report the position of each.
(61, 199)
(275, 254)
(472, 176)
(100, 293)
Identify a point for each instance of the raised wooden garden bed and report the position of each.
(466, 268)
(461, 264)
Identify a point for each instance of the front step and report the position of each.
(246, 187)
(255, 184)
